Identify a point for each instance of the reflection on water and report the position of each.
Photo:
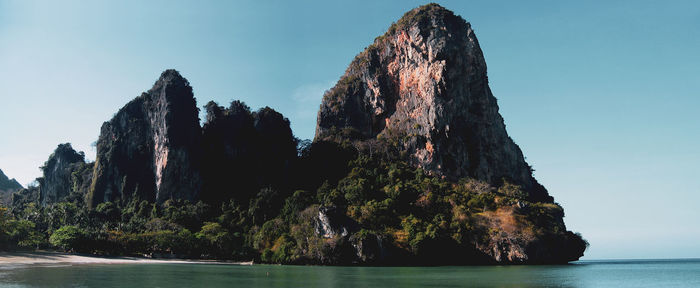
(652, 273)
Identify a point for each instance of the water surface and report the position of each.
(622, 273)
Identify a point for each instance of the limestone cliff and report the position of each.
(65, 178)
(244, 151)
(422, 89)
(417, 97)
(8, 184)
(420, 93)
(56, 183)
(7, 187)
(150, 149)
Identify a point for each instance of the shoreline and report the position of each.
(49, 258)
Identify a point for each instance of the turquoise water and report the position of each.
(627, 273)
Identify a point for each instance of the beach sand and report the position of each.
(48, 258)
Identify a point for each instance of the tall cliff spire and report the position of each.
(423, 89)
(150, 149)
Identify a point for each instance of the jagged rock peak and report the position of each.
(422, 90)
(7, 188)
(150, 149)
(8, 184)
(251, 149)
(55, 184)
(426, 17)
(172, 78)
(171, 75)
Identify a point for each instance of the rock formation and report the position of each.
(56, 183)
(250, 149)
(7, 187)
(65, 177)
(154, 149)
(417, 97)
(423, 89)
(8, 184)
(151, 148)
(331, 222)
(420, 93)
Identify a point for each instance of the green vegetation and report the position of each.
(417, 215)
(67, 237)
(326, 202)
(347, 85)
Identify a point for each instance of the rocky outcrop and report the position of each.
(420, 93)
(65, 177)
(154, 149)
(7, 187)
(344, 234)
(151, 148)
(332, 223)
(244, 151)
(422, 90)
(24, 197)
(8, 184)
(555, 248)
(512, 240)
(56, 183)
(369, 248)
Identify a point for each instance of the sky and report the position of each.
(602, 97)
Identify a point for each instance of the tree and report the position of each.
(511, 190)
(216, 238)
(108, 211)
(22, 234)
(283, 251)
(4, 219)
(67, 237)
(17, 233)
(61, 214)
(295, 204)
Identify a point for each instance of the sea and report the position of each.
(602, 273)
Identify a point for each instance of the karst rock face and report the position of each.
(423, 88)
(151, 148)
(56, 182)
(7, 187)
(8, 184)
(244, 151)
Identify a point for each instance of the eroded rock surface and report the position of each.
(420, 93)
(245, 151)
(151, 147)
(56, 183)
(422, 88)
(7, 187)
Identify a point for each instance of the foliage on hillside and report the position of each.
(418, 217)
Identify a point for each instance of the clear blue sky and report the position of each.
(602, 97)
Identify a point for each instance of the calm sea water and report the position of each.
(627, 273)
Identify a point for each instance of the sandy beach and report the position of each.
(48, 258)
